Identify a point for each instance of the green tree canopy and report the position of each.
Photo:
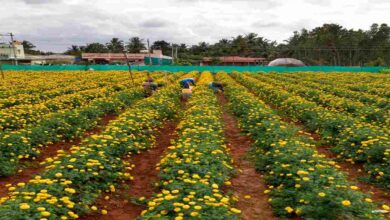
(135, 44)
(115, 45)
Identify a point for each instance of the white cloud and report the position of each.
(56, 24)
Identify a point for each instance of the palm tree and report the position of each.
(135, 45)
(115, 45)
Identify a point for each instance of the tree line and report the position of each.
(329, 44)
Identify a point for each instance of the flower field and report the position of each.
(319, 143)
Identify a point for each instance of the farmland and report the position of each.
(91, 145)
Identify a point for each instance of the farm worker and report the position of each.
(186, 83)
(216, 86)
(186, 94)
(149, 79)
(149, 87)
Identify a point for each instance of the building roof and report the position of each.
(50, 57)
(236, 59)
(121, 56)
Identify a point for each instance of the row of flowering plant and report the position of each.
(27, 143)
(353, 140)
(29, 87)
(24, 115)
(363, 83)
(301, 181)
(357, 109)
(72, 181)
(33, 91)
(196, 166)
(332, 85)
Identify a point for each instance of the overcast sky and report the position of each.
(53, 25)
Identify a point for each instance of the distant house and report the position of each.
(49, 59)
(142, 58)
(10, 51)
(234, 61)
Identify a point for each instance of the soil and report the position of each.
(353, 173)
(33, 168)
(120, 207)
(351, 170)
(247, 181)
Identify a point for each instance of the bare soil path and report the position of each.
(120, 207)
(354, 172)
(247, 182)
(50, 150)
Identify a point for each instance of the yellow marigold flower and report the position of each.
(234, 210)
(12, 188)
(193, 214)
(321, 194)
(301, 172)
(45, 214)
(70, 190)
(94, 208)
(368, 200)
(58, 175)
(112, 188)
(178, 218)
(289, 209)
(104, 212)
(354, 187)
(198, 207)
(180, 172)
(386, 207)
(346, 203)
(24, 206)
(41, 209)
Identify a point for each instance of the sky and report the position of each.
(54, 25)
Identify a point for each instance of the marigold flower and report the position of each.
(346, 203)
(24, 206)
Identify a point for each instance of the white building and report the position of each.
(8, 51)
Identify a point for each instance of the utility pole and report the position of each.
(13, 47)
(150, 58)
(173, 60)
(129, 66)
